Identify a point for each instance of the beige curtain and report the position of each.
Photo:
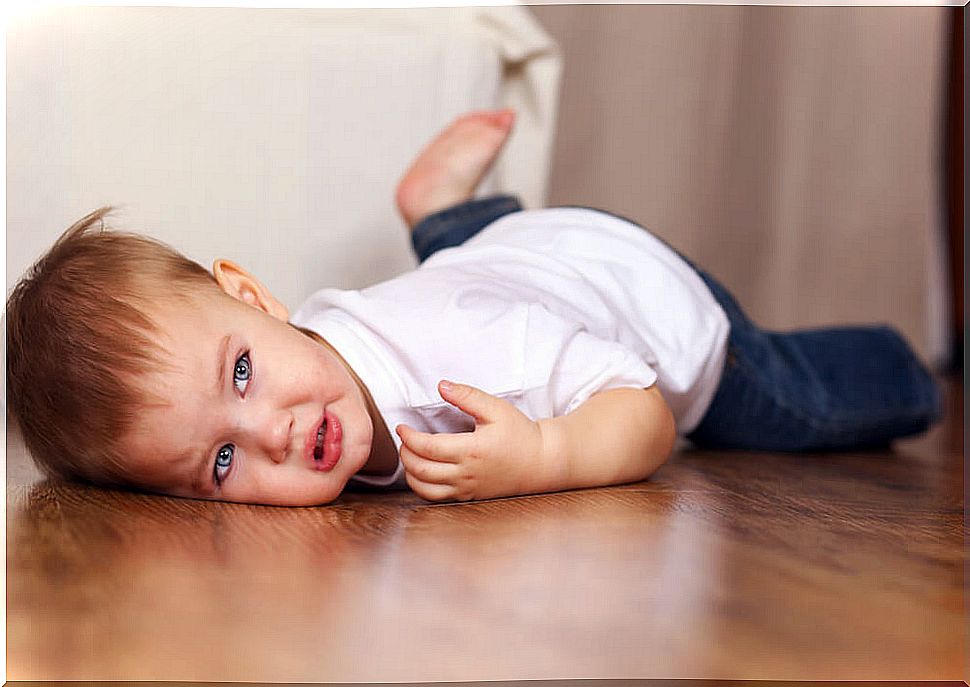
(792, 151)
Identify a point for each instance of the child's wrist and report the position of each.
(553, 456)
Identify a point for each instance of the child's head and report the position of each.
(129, 364)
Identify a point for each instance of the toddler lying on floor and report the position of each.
(531, 351)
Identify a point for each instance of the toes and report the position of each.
(502, 119)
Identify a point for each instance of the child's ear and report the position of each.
(243, 286)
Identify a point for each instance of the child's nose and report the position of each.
(274, 435)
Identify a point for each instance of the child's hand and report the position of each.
(500, 458)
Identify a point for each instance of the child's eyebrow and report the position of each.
(221, 363)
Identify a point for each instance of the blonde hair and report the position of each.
(79, 338)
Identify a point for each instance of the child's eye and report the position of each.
(242, 372)
(223, 462)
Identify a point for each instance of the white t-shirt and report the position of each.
(542, 308)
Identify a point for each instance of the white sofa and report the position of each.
(272, 137)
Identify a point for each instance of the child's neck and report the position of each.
(383, 452)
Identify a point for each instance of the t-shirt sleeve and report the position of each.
(565, 364)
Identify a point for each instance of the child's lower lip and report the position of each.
(331, 442)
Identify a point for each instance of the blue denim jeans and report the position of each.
(825, 389)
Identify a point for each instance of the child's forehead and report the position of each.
(171, 307)
(184, 325)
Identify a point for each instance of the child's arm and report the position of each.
(616, 436)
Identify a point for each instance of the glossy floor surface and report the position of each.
(723, 565)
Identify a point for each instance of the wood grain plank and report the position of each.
(733, 565)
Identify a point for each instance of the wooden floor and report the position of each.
(723, 565)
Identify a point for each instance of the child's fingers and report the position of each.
(441, 447)
(429, 491)
(479, 404)
(426, 470)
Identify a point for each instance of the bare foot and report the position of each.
(450, 168)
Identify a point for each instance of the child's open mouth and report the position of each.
(318, 448)
(326, 449)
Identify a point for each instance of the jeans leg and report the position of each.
(458, 223)
(825, 389)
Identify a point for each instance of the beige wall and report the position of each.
(791, 151)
